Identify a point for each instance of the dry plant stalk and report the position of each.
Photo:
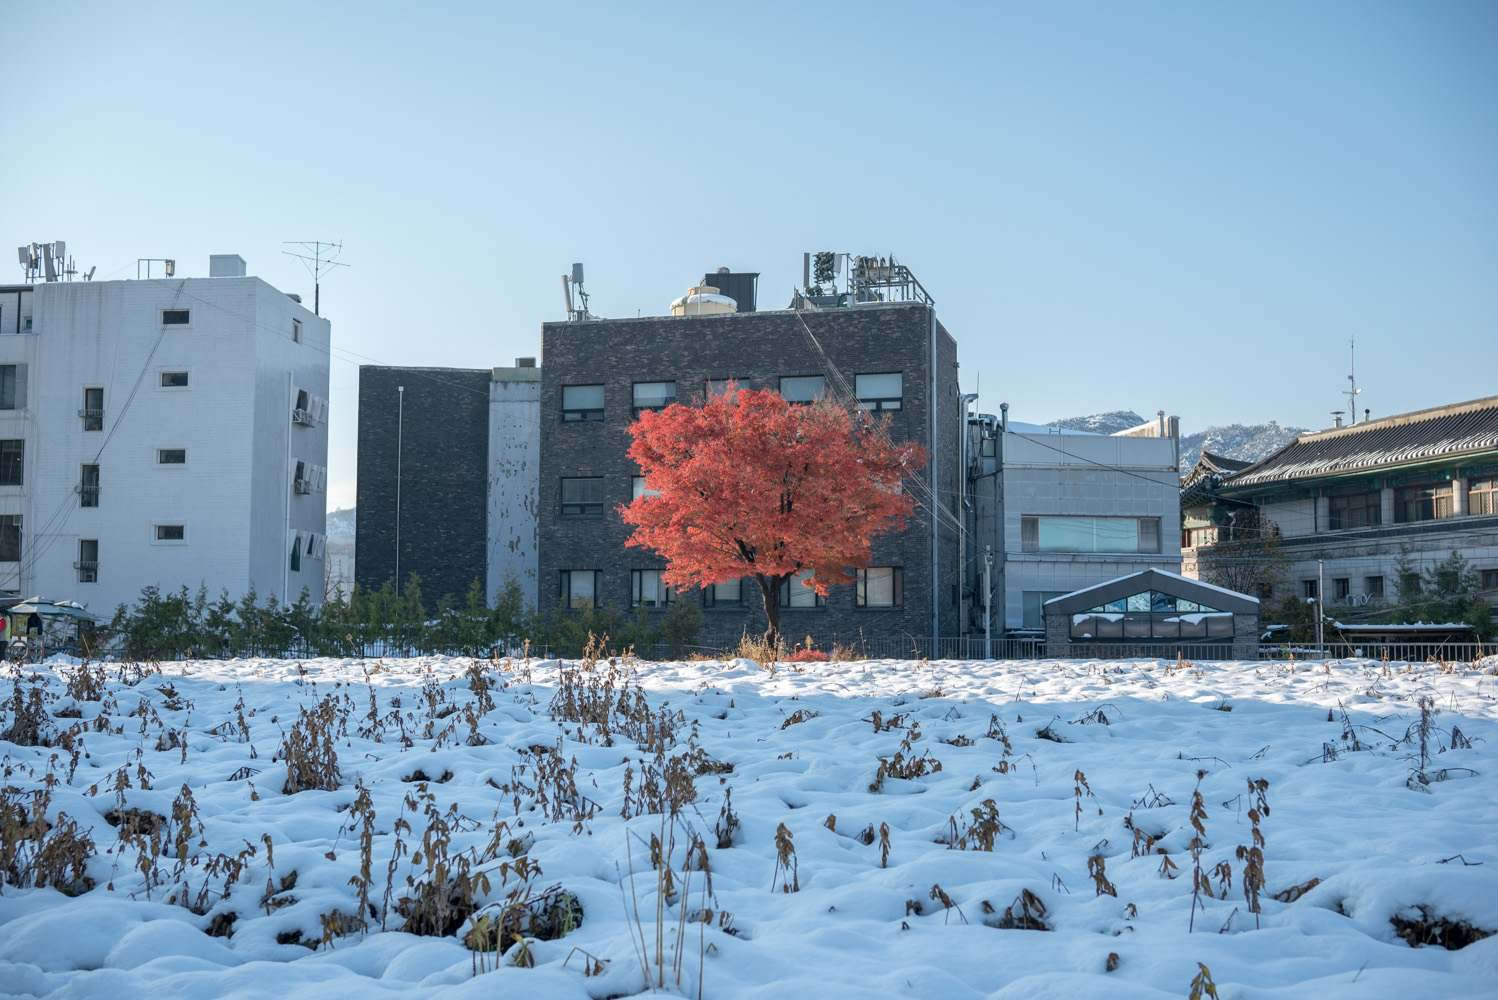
(309, 752)
(1252, 855)
(785, 862)
(1097, 868)
(1199, 883)
(1202, 985)
(1078, 789)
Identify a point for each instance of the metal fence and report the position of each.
(950, 648)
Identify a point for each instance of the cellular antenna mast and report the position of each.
(324, 257)
(1352, 390)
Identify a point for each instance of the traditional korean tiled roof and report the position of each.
(1198, 485)
(1445, 432)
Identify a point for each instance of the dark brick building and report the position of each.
(441, 422)
(597, 372)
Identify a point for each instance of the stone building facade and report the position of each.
(592, 373)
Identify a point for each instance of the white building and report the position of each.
(1063, 510)
(163, 432)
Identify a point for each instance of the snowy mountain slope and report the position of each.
(1245, 442)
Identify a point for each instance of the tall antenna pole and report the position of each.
(1352, 390)
(324, 257)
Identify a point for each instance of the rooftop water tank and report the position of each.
(703, 300)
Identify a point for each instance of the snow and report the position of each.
(1344, 807)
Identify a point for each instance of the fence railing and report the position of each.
(947, 648)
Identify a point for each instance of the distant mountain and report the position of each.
(1245, 442)
(341, 526)
(1100, 423)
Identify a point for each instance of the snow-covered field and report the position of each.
(1079, 776)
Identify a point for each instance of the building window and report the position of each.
(582, 402)
(1357, 510)
(12, 462)
(582, 497)
(638, 489)
(1034, 606)
(1089, 534)
(88, 560)
(93, 409)
(174, 380)
(88, 487)
(1374, 585)
(171, 456)
(175, 317)
(989, 447)
(580, 587)
(881, 587)
(879, 392)
(12, 387)
(728, 594)
(1482, 494)
(801, 388)
(647, 588)
(1308, 589)
(10, 537)
(654, 396)
(171, 533)
(796, 594)
(296, 331)
(296, 553)
(1341, 588)
(1490, 579)
(1427, 502)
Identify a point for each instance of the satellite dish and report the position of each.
(90, 275)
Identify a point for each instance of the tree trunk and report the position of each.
(769, 589)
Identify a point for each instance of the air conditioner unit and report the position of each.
(302, 486)
(302, 417)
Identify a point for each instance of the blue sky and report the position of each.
(1179, 206)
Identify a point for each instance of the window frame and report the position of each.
(665, 593)
(88, 569)
(92, 416)
(88, 493)
(877, 404)
(12, 537)
(581, 508)
(1482, 495)
(1374, 585)
(1146, 527)
(896, 587)
(712, 601)
(159, 539)
(18, 446)
(162, 463)
(584, 414)
(1344, 513)
(571, 602)
(186, 315)
(296, 330)
(638, 489)
(656, 407)
(17, 386)
(799, 400)
(794, 587)
(162, 375)
(1418, 502)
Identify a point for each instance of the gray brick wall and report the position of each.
(444, 437)
(756, 349)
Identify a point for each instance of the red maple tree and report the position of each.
(750, 485)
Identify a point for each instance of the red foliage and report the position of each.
(751, 485)
(809, 656)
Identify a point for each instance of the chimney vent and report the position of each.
(525, 362)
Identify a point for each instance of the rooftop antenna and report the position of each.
(1352, 390)
(324, 257)
(571, 284)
